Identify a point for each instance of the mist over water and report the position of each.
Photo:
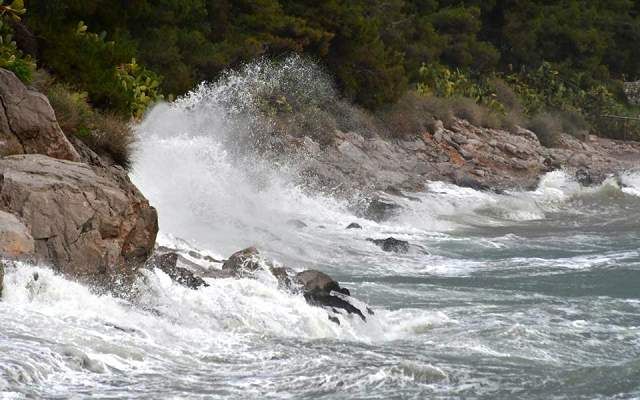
(515, 295)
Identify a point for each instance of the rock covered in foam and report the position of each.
(243, 262)
(168, 263)
(391, 244)
(1, 277)
(318, 288)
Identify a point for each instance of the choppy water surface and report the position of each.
(517, 295)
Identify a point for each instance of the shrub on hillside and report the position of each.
(11, 57)
(105, 133)
(547, 128)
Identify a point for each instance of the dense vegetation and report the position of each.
(519, 61)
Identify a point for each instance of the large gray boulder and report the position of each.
(27, 122)
(89, 223)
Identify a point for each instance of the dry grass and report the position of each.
(547, 128)
(106, 134)
(112, 136)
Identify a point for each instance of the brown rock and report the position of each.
(27, 122)
(90, 224)
(15, 240)
(243, 262)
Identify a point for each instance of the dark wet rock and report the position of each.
(284, 275)
(380, 210)
(584, 177)
(1, 277)
(318, 287)
(333, 319)
(354, 225)
(466, 180)
(316, 282)
(391, 244)
(296, 223)
(168, 263)
(244, 262)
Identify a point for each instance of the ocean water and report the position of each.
(519, 295)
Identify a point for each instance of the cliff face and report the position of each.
(61, 206)
(464, 154)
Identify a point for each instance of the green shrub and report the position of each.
(11, 57)
(105, 70)
(141, 85)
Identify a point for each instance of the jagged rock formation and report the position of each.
(84, 224)
(86, 220)
(464, 154)
(28, 124)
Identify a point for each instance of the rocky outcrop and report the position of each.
(87, 220)
(391, 244)
(354, 225)
(481, 158)
(28, 124)
(89, 223)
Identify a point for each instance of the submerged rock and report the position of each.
(584, 177)
(380, 210)
(354, 225)
(1, 277)
(168, 263)
(296, 223)
(391, 244)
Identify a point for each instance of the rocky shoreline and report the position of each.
(464, 154)
(64, 206)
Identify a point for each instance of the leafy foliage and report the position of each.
(140, 85)
(11, 57)
(567, 55)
